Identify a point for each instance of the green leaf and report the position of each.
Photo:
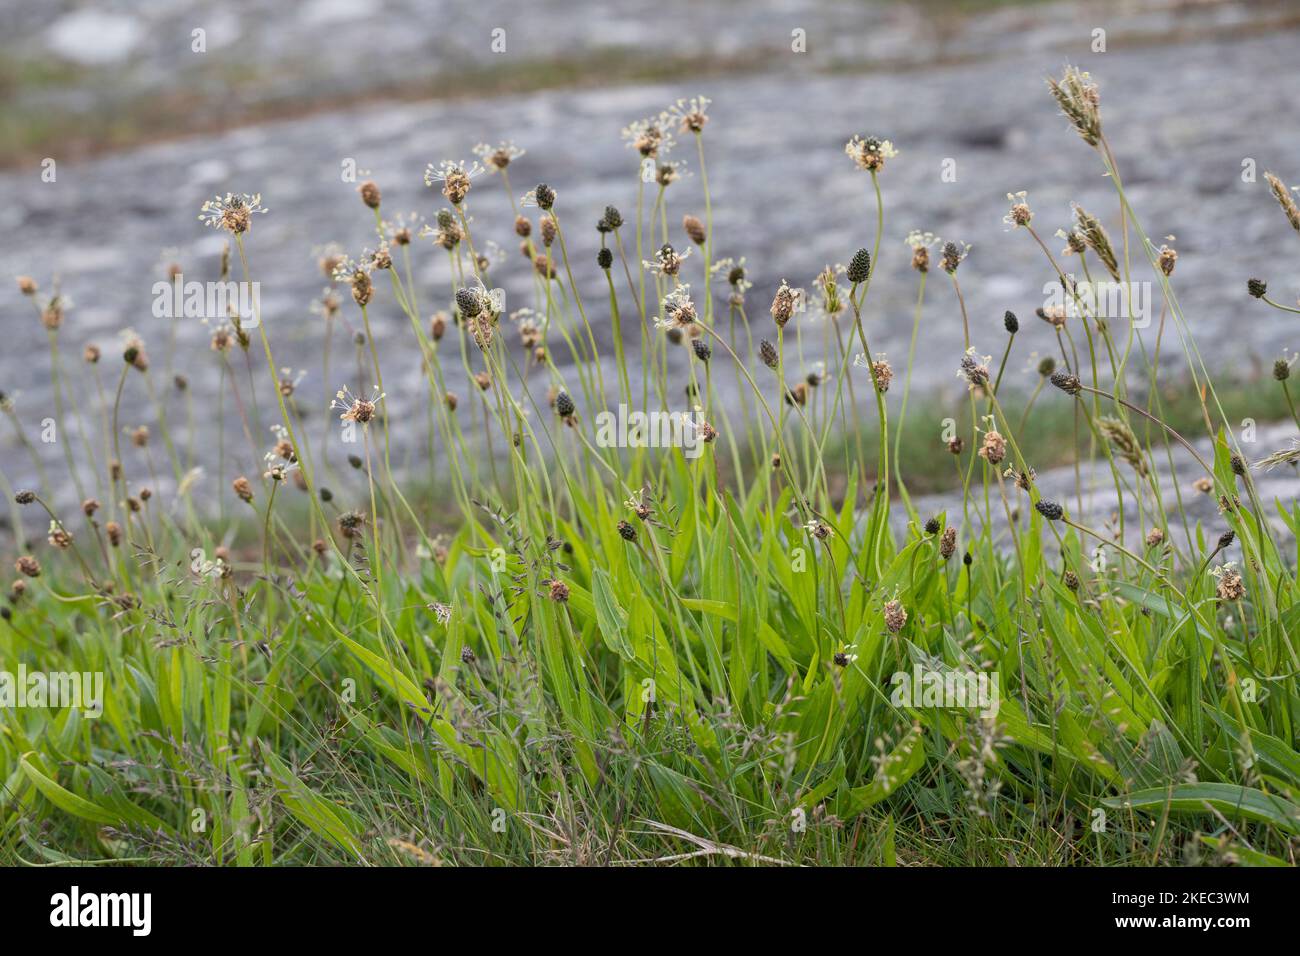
(69, 802)
(319, 815)
(610, 616)
(1227, 798)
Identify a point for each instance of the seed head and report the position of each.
(1285, 200)
(28, 566)
(134, 356)
(1226, 539)
(767, 352)
(895, 616)
(974, 371)
(113, 531)
(1049, 510)
(438, 326)
(612, 218)
(783, 304)
(1010, 322)
(882, 373)
(953, 254)
(91, 354)
(523, 228)
(1257, 287)
(243, 489)
(932, 526)
(948, 543)
(1230, 586)
(1095, 237)
(59, 537)
(544, 266)
(605, 258)
(351, 524)
(468, 302)
(548, 230)
(369, 191)
(559, 591)
(701, 349)
(564, 406)
(1281, 370)
(694, 230)
(626, 531)
(859, 267)
(1155, 536)
(1054, 315)
(1071, 580)
(841, 659)
(1166, 260)
(993, 448)
(1066, 382)
(545, 196)
(1125, 442)
(362, 288)
(27, 285)
(25, 497)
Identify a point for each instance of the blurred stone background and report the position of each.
(143, 129)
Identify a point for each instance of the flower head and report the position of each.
(355, 408)
(975, 368)
(691, 115)
(1019, 214)
(649, 137)
(356, 273)
(667, 261)
(954, 253)
(817, 529)
(456, 178)
(1230, 586)
(870, 153)
(785, 302)
(1094, 236)
(497, 158)
(232, 212)
(678, 309)
(921, 243)
(1077, 96)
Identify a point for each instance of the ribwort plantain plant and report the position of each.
(728, 634)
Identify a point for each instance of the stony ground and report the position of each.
(1182, 117)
